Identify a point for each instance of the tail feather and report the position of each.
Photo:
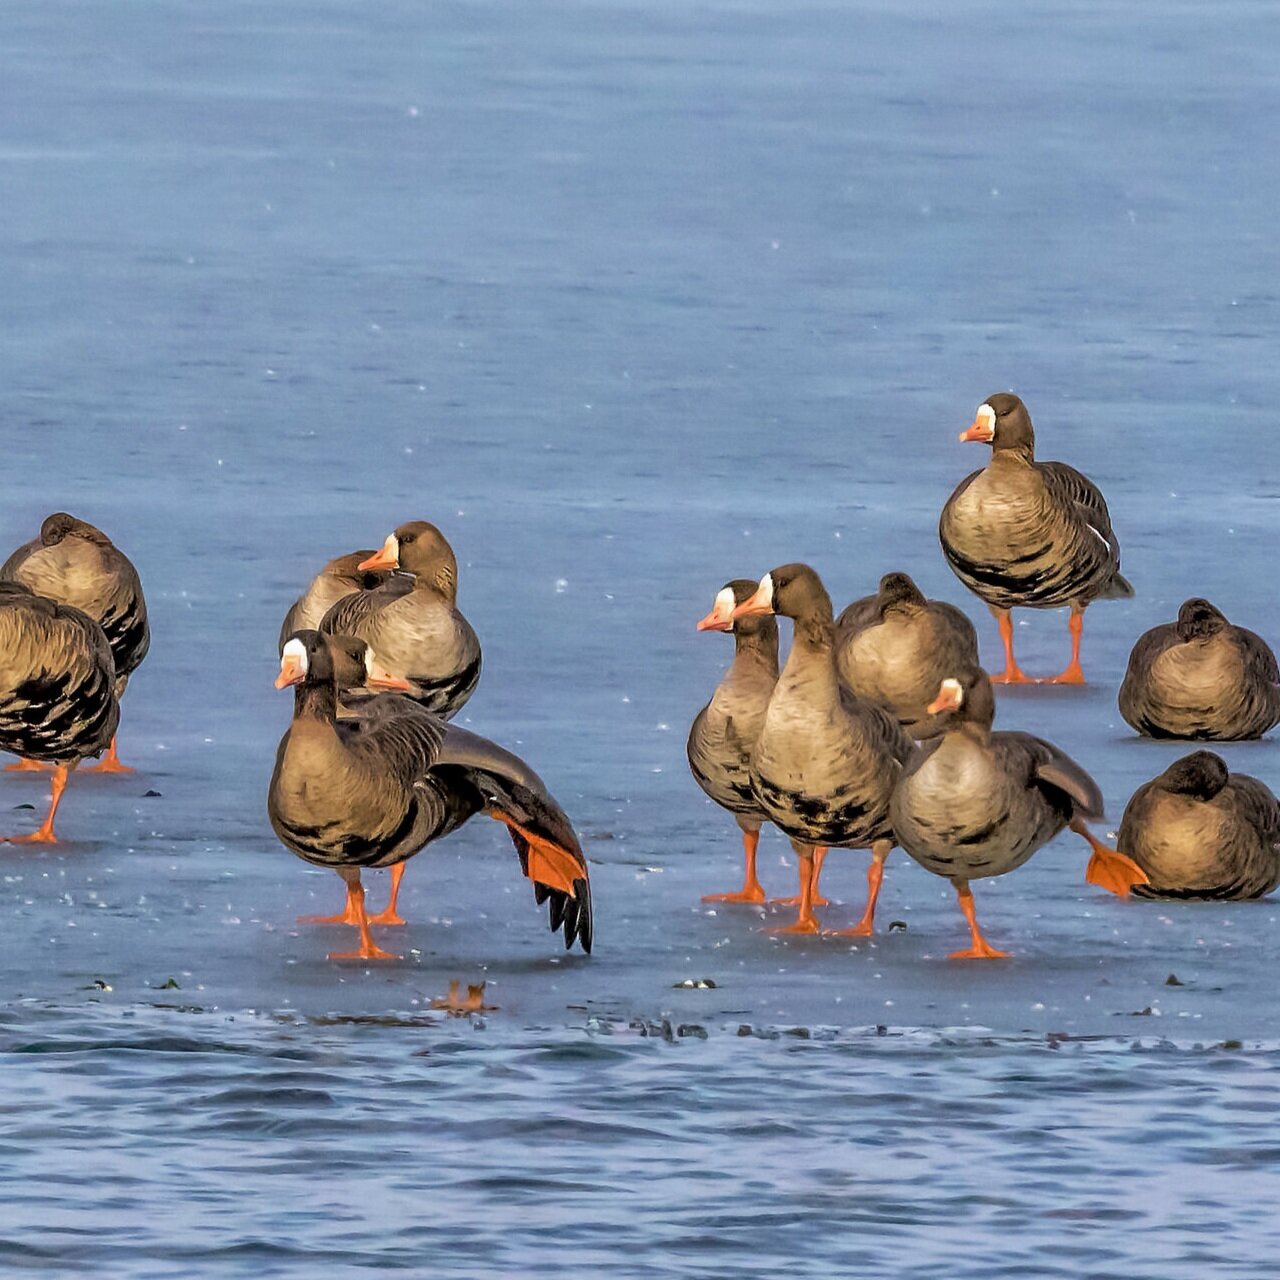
(1119, 588)
(544, 839)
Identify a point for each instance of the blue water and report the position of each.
(630, 299)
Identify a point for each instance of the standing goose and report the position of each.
(373, 789)
(337, 580)
(1201, 677)
(1029, 534)
(1200, 832)
(895, 647)
(725, 730)
(973, 803)
(419, 634)
(826, 761)
(74, 563)
(57, 689)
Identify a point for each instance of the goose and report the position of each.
(57, 689)
(337, 580)
(1028, 534)
(974, 803)
(893, 648)
(419, 633)
(1201, 677)
(74, 563)
(1202, 832)
(372, 790)
(826, 761)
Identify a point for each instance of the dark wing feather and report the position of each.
(883, 731)
(1259, 657)
(346, 617)
(395, 733)
(544, 839)
(1053, 770)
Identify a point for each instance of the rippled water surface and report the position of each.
(630, 299)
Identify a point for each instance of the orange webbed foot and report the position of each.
(1114, 871)
(388, 915)
(801, 926)
(980, 951)
(109, 765)
(862, 929)
(752, 894)
(795, 902)
(28, 766)
(1013, 677)
(345, 917)
(1072, 675)
(35, 837)
(371, 951)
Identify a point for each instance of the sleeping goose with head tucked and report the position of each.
(1027, 534)
(895, 647)
(1201, 677)
(1203, 833)
(74, 563)
(373, 789)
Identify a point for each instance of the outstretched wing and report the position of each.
(550, 855)
(1052, 770)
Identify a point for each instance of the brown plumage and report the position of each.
(337, 580)
(1201, 678)
(1202, 833)
(373, 789)
(57, 687)
(974, 803)
(894, 648)
(826, 761)
(76, 564)
(724, 732)
(420, 634)
(1028, 534)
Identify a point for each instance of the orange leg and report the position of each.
(389, 915)
(806, 921)
(751, 890)
(866, 927)
(981, 949)
(348, 915)
(1109, 869)
(1012, 673)
(45, 833)
(454, 1003)
(819, 857)
(28, 766)
(1074, 674)
(111, 764)
(369, 950)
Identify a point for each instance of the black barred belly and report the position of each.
(333, 844)
(842, 818)
(446, 696)
(1046, 576)
(50, 718)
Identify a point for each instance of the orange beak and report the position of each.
(947, 700)
(291, 672)
(380, 678)
(717, 620)
(759, 606)
(978, 429)
(387, 558)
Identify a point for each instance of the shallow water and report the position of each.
(630, 300)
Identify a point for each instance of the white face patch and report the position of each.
(987, 416)
(765, 592)
(725, 603)
(952, 691)
(368, 661)
(296, 650)
(391, 548)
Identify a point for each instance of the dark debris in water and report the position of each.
(897, 926)
(151, 794)
(1174, 981)
(697, 984)
(24, 806)
(170, 985)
